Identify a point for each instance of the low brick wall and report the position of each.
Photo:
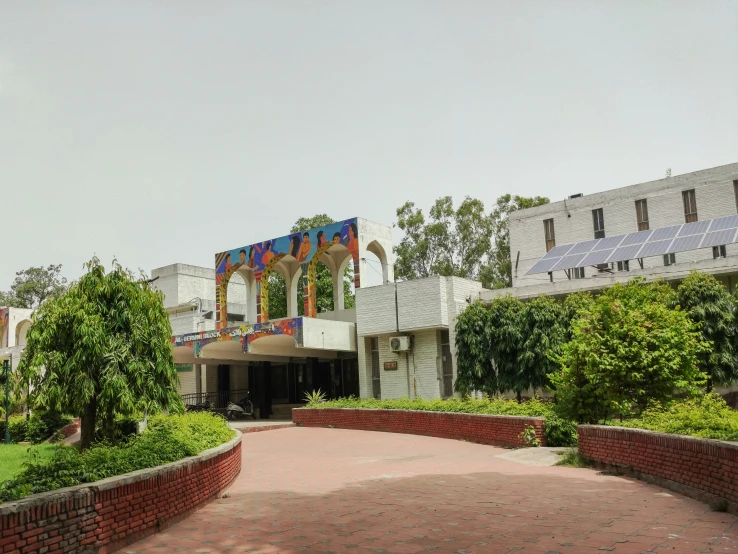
(107, 515)
(483, 429)
(700, 468)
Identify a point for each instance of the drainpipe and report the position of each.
(407, 354)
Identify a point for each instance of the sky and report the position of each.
(164, 132)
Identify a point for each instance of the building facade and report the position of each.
(14, 324)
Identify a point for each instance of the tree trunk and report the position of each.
(108, 427)
(89, 415)
(709, 384)
(520, 397)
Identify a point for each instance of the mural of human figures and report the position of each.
(305, 247)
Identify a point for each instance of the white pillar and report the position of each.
(292, 286)
(198, 378)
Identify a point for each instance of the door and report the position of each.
(224, 385)
(447, 367)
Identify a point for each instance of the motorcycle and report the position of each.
(203, 406)
(242, 408)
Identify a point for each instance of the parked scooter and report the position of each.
(242, 408)
(203, 406)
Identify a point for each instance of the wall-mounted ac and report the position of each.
(399, 344)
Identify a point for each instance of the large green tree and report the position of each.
(505, 329)
(33, 286)
(100, 349)
(323, 279)
(474, 367)
(544, 333)
(628, 347)
(711, 306)
(461, 241)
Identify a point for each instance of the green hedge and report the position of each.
(707, 417)
(559, 432)
(36, 429)
(167, 439)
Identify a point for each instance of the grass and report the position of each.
(571, 458)
(12, 457)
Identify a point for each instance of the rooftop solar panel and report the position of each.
(594, 258)
(543, 266)
(726, 236)
(583, 247)
(557, 251)
(567, 262)
(654, 248)
(608, 243)
(695, 228)
(625, 253)
(681, 244)
(721, 223)
(664, 233)
(636, 238)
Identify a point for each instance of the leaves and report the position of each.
(33, 286)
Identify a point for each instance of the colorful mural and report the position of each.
(304, 247)
(245, 334)
(5, 325)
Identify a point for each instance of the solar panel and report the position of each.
(557, 251)
(695, 228)
(728, 222)
(567, 262)
(726, 236)
(654, 248)
(636, 238)
(594, 258)
(608, 243)
(681, 244)
(544, 266)
(625, 253)
(664, 233)
(583, 247)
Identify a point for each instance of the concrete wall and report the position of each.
(181, 283)
(714, 193)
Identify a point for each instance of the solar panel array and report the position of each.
(642, 244)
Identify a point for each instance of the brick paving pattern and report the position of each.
(333, 490)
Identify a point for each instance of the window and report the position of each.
(719, 251)
(376, 385)
(669, 259)
(690, 206)
(577, 273)
(735, 191)
(447, 368)
(624, 266)
(642, 214)
(548, 230)
(599, 223)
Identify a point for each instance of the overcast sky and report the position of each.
(163, 132)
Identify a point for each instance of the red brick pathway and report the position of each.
(333, 490)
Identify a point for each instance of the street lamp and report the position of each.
(6, 367)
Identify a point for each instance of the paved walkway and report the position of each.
(333, 490)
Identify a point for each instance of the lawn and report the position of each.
(12, 457)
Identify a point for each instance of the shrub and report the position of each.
(166, 439)
(708, 417)
(38, 428)
(18, 425)
(559, 432)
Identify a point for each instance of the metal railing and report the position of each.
(219, 400)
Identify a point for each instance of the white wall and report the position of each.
(714, 194)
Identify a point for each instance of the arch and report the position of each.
(378, 250)
(221, 294)
(263, 299)
(20, 332)
(311, 309)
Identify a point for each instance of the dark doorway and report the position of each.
(224, 385)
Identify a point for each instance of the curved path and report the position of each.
(334, 490)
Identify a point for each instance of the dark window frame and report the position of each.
(642, 214)
(549, 233)
(598, 223)
(670, 259)
(689, 199)
(376, 373)
(719, 252)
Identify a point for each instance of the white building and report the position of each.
(14, 324)
(697, 196)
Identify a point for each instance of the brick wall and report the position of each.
(483, 429)
(110, 514)
(700, 468)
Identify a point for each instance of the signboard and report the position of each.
(390, 366)
(183, 367)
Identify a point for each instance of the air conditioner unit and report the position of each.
(399, 344)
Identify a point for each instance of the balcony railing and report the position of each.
(219, 400)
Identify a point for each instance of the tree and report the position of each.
(33, 286)
(323, 280)
(474, 367)
(462, 242)
(497, 272)
(711, 306)
(544, 333)
(628, 347)
(100, 349)
(505, 329)
(573, 305)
